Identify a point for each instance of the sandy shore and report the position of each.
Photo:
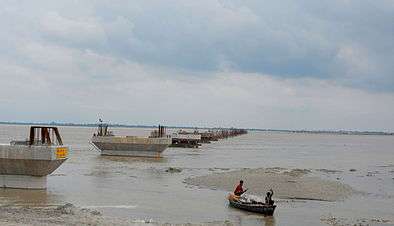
(69, 214)
(287, 184)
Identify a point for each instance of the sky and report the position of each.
(287, 64)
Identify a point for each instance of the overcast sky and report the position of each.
(326, 64)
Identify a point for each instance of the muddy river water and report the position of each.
(145, 189)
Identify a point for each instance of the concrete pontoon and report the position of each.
(26, 164)
(135, 146)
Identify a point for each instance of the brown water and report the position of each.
(142, 189)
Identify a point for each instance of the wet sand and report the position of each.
(287, 184)
(69, 214)
(340, 221)
(54, 215)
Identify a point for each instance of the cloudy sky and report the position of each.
(326, 64)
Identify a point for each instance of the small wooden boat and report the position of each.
(256, 207)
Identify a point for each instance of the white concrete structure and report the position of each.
(134, 146)
(26, 164)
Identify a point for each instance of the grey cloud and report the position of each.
(284, 39)
(287, 64)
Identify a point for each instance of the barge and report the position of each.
(26, 164)
(184, 139)
(109, 144)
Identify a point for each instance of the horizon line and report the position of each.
(350, 132)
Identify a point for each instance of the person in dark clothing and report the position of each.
(239, 189)
(268, 197)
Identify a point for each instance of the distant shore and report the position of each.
(340, 132)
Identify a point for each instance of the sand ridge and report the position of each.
(287, 184)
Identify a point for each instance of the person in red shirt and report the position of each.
(239, 190)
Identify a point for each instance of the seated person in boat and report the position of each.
(268, 197)
(239, 190)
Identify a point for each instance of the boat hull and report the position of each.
(27, 166)
(30, 167)
(262, 209)
(131, 146)
(267, 210)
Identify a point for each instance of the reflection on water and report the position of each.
(269, 221)
(254, 220)
(115, 184)
(131, 160)
(28, 197)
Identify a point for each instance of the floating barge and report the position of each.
(194, 139)
(26, 164)
(211, 135)
(184, 139)
(151, 146)
(208, 137)
(227, 133)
